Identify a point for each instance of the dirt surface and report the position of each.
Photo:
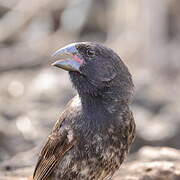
(149, 163)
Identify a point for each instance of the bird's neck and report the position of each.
(102, 104)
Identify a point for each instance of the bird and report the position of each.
(94, 133)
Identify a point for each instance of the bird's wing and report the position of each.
(52, 153)
(54, 150)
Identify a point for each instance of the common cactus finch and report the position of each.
(94, 133)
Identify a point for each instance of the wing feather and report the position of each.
(56, 147)
(51, 155)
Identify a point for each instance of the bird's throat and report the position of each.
(101, 105)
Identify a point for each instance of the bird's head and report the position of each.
(93, 68)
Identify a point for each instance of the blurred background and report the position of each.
(146, 35)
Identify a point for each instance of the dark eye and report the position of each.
(90, 53)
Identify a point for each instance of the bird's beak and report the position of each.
(68, 58)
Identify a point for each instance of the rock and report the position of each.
(19, 174)
(149, 163)
(157, 170)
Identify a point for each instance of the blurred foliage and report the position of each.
(146, 34)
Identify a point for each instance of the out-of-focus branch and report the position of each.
(21, 14)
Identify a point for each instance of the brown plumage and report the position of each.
(94, 133)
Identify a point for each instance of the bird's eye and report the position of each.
(90, 53)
